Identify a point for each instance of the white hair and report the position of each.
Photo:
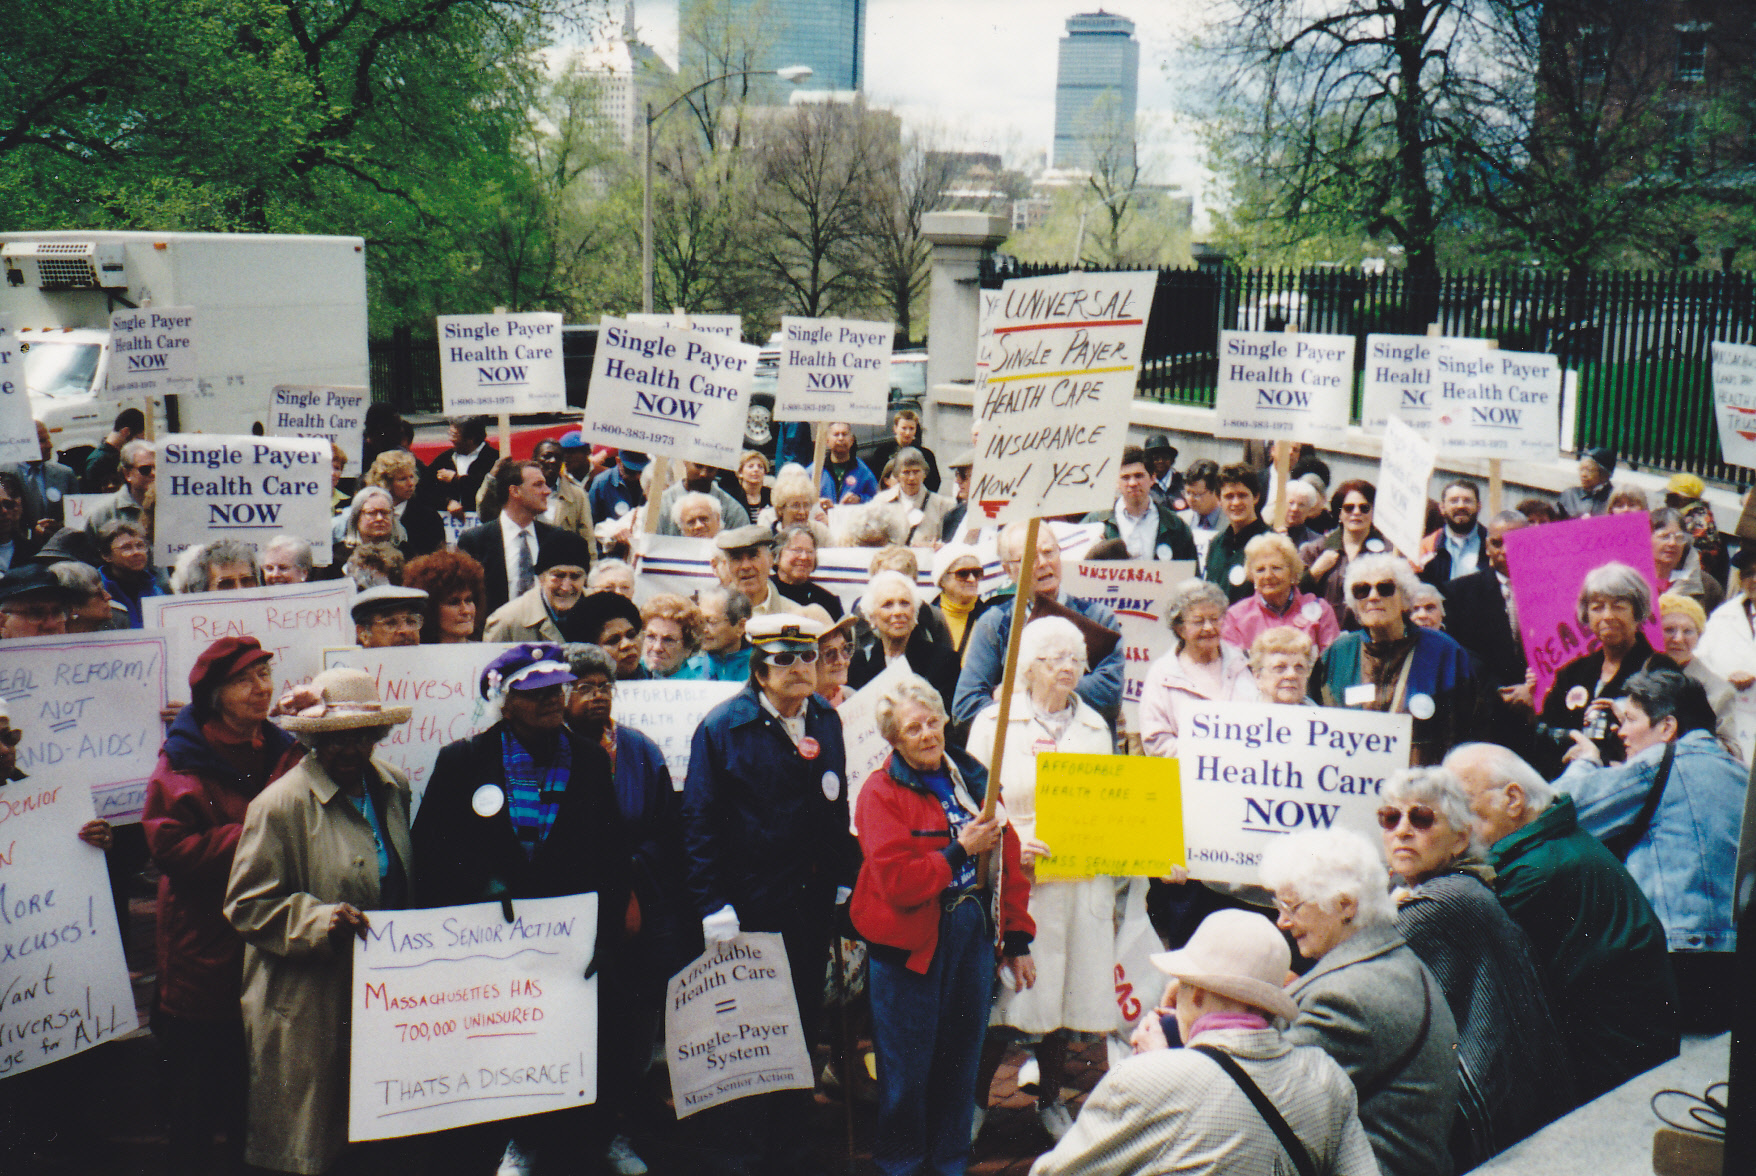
(1368, 569)
(1440, 790)
(1303, 489)
(1503, 766)
(907, 688)
(882, 583)
(1323, 866)
(1047, 635)
(604, 568)
(692, 499)
(298, 549)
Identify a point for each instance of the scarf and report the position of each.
(1227, 1021)
(534, 790)
(1381, 664)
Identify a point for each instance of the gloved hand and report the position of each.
(721, 926)
(842, 894)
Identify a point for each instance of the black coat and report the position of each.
(1476, 618)
(1437, 572)
(810, 593)
(485, 545)
(880, 454)
(464, 487)
(937, 663)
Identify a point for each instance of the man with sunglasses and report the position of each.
(765, 821)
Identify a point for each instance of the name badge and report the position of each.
(1359, 695)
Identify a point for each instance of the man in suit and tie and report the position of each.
(1479, 611)
(46, 485)
(513, 546)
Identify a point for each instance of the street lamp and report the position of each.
(787, 73)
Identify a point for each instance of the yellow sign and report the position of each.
(1099, 815)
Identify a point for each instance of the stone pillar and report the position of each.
(960, 240)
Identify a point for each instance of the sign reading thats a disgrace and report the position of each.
(670, 393)
(491, 363)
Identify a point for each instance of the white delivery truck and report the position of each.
(270, 310)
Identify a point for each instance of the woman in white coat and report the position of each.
(1074, 948)
(1728, 646)
(1202, 668)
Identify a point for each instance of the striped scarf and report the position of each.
(534, 791)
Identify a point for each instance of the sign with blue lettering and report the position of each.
(1397, 382)
(1492, 403)
(245, 488)
(833, 369)
(335, 414)
(1253, 771)
(18, 432)
(670, 393)
(492, 363)
(728, 326)
(152, 352)
(1295, 385)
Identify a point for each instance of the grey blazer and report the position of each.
(1364, 1004)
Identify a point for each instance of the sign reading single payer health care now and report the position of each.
(501, 363)
(1734, 401)
(1283, 384)
(1496, 403)
(833, 370)
(334, 414)
(670, 393)
(152, 352)
(245, 488)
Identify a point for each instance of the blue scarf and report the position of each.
(534, 791)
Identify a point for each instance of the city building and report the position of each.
(1096, 87)
(631, 76)
(827, 35)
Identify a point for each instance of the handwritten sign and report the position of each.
(1136, 591)
(460, 1016)
(1281, 384)
(245, 488)
(153, 353)
(1252, 771)
(333, 413)
(667, 711)
(295, 622)
(78, 508)
(987, 312)
(18, 431)
(1108, 815)
(732, 1025)
(833, 369)
(1496, 403)
(682, 394)
(501, 363)
(1734, 402)
(88, 705)
(1052, 414)
(63, 982)
(866, 749)
(1403, 474)
(440, 682)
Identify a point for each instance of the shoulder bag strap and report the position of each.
(1282, 1129)
(1623, 843)
(1402, 1063)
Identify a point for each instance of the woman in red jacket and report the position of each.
(220, 752)
(921, 904)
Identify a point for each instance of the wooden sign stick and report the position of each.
(819, 451)
(1496, 481)
(1008, 676)
(505, 432)
(1283, 469)
(661, 474)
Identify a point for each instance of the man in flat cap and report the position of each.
(743, 559)
(33, 603)
(388, 615)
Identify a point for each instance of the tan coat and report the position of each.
(304, 849)
(523, 618)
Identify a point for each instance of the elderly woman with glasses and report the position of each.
(1202, 668)
(669, 635)
(1274, 568)
(1614, 602)
(1391, 664)
(369, 518)
(957, 573)
(1511, 1060)
(1326, 559)
(1683, 623)
(1678, 566)
(397, 471)
(1281, 661)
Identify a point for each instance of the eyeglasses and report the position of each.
(836, 657)
(1420, 817)
(663, 641)
(783, 660)
(603, 690)
(1289, 909)
(966, 573)
(1384, 588)
(1356, 508)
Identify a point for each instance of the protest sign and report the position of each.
(866, 749)
(1052, 417)
(18, 430)
(334, 413)
(77, 508)
(64, 985)
(153, 352)
(1734, 402)
(667, 711)
(672, 563)
(726, 326)
(833, 369)
(732, 1025)
(295, 622)
(1252, 771)
(461, 1015)
(501, 363)
(987, 311)
(1108, 815)
(669, 392)
(88, 705)
(245, 488)
(442, 683)
(845, 571)
(1284, 384)
(1491, 403)
(1136, 591)
(1547, 565)
(1403, 473)
(1397, 382)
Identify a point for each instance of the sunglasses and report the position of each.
(1356, 508)
(966, 573)
(783, 660)
(1420, 817)
(1384, 588)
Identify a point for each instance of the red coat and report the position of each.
(903, 836)
(192, 820)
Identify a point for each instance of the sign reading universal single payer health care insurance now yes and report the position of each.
(463, 1016)
(1495, 403)
(1053, 413)
(1254, 771)
(490, 363)
(245, 488)
(671, 393)
(153, 353)
(833, 370)
(295, 622)
(732, 1025)
(1734, 401)
(1284, 384)
(336, 414)
(1112, 815)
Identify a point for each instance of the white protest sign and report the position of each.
(1136, 591)
(245, 488)
(732, 1025)
(986, 312)
(1496, 403)
(18, 431)
(78, 508)
(1403, 474)
(501, 363)
(441, 682)
(833, 369)
(1734, 402)
(1252, 771)
(672, 563)
(845, 572)
(88, 705)
(726, 326)
(670, 392)
(461, 1016)
(667, 711)
(1284, 384)
(64, 985)
(152, 352)
(1397, 382)
(295, 622)
(1052, 417)
(866, 749)
(334, 413)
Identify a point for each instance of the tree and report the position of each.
(912, 180)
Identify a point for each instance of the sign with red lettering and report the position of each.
(296, 622)
(1136, 591)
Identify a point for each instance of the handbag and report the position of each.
(1276, 1121)
(1622, 843)
(1138, 982)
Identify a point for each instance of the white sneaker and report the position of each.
(1030, 1076)
(513, 1162)
(975, 1124)
(622, 1159)
(1056, 1121)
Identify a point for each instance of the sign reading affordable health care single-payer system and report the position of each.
(670, 393)
(334, 414)
(1284, 384)
(1734, 401)
(245, 488)
(1495, 403)
(833, 369)
(152, 352)
(732, 1025)
(491, 363)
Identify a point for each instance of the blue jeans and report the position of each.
(927, 1031)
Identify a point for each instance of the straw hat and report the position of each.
(350, 702)
(1239, 955)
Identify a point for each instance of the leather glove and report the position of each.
(721, 926)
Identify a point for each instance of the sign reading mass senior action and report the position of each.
(461, 1015)
(669, 392)
(491, 363)
(18, 431)
(1284, 384)
(336, 414)
(833, 369)
(245, 488)
(1253, 771)
(1053, 412)
(1108, 815)
(732, 1025)
(1734, 401)
(1496, 403)
(152, 352)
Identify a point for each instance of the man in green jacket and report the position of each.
(1149, 528)
(1594, 937)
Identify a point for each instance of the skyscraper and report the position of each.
(631, 75)
(827, 35)
(1096, 86)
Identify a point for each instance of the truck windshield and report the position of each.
(60, 369)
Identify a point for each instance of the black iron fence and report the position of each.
(405, 371)
(1638, 340)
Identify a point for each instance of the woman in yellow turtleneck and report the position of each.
(957, 570)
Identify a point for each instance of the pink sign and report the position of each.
(1549, 562)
